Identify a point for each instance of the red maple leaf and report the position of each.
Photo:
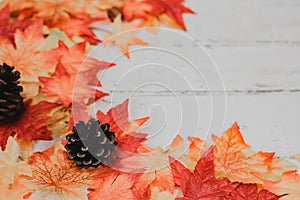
(31, 125)
(126, 136)
(173, 8)
(117, 117)
(201, 184)
(7, 29)
(78, 27)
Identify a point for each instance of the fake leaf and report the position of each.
(26, 55)
(11, 163)
(30, 126)
(78, 27)
(14, 191)
(7, 29)
(232, 162)
(136, 9)
(173, 8)
(155, 165)
(123, 36)
(201, 184)
(114, 187)
(52, 171)
(288, 185)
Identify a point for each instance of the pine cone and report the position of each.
(113, 13)
(91, 144)
(11, 101)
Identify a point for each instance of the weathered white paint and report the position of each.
(256, 47)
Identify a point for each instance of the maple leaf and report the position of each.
(93, 7)
(156, 194)
(78, 27)
(114, 187)
(123, 36)
(63, 86)
(58, 124)
(27, 56)
(173, 8)
(52, 171)
(14, 191)
(197, 148)
(31, 125)
(117, 117)
(231, 159)
(75, 59)
(251, 192)
(136, 9)
(201, 183)
(155, 165)
(11, 163)
(52, 11)
(21, 8)
(7, 29)
(288, 185)
(126, 136)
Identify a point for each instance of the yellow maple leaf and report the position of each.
(11, 163)
(123, 36)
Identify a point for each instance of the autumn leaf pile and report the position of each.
(47, 42)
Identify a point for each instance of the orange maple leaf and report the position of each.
(20, 7)
(197, 148)
(231, 159)
(155, 165)
(27, 55)
(52, 11)
(117, 117)
(123, 36)
(114, 187)
(62, 86)
(136, 9)
(52, 171)
(8, 27)
(128, 140)
(78, 27)
(75, 59)
(289, 185)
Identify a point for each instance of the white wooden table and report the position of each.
(256, 48)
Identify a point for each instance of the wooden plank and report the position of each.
(254, 70)
(268, 122)
(243, 22)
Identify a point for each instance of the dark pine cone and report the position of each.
(113, 13)
(11, 101)
(91, 144)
